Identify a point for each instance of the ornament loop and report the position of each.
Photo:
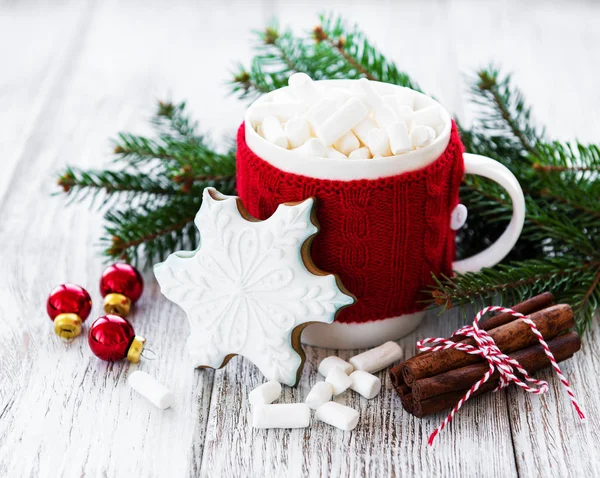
(149, 354)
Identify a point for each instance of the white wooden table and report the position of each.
(72, 74)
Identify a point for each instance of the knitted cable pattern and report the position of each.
(383, 237)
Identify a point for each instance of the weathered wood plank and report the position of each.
(32, 69)
(387, 442)
(65, 413)
(62, 412)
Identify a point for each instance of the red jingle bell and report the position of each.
(112, 338)
(121, 285)
(68, 306)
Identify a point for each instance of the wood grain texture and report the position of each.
(77, 73)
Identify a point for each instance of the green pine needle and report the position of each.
(160, 188)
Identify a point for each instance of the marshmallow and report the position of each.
(320, 111)
(385, 117)
(329, 363)
(421, 136)
(338, 380)
(273, 132)
(406, 96)
(361, 130)
(339, 96)
(149, 388)
(347, 143)
(404, 113)
(321, 393)
(365, 384)
(282, 111)
(399, 139)
(297, 131)
(459, 217)
(430, 116)
(313, 147)
(265, 394)
(378, 142)
(339, 416)
(364, 90)
(287, 415)
(360, 153)
(282, 96)
(341, 121)
(302, 87)
(378, 358)
(334, 153)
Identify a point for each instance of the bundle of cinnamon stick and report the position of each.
(434, 381)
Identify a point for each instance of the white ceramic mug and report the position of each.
(375, 332)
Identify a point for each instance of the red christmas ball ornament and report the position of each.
(121, 285)
(68, 306)
(112, 338)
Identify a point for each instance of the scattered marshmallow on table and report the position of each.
(329, 363)
(148, 387)
(378, 358)
(285, 415)
(339, 416)
(265, 394)
(338, 380)
(321, 393)
(365, 384)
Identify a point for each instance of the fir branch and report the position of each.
(547, 168)
(361, 57)
(73, 179)
(277, 56)
(510, 283)
(567, 157)
(172, 120)
(157, 230)
(505, 111)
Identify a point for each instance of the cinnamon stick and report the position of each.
(510, 337)
(531, 358)
(445, 401)
(539, 302)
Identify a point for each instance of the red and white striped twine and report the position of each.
(487, 348)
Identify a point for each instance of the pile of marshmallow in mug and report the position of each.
(344, 123)
(357, 375)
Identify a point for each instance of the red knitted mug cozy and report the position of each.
(383, 237)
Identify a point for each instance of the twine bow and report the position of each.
(506, 366)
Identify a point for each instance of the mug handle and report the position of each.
(488, 168)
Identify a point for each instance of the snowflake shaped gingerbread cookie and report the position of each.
(251, 287)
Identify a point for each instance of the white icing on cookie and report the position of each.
(247, 287)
